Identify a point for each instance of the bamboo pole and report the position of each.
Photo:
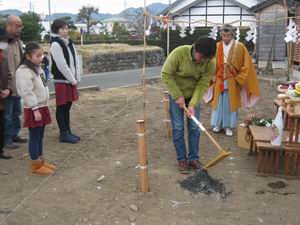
(144, 60)
(289, 46)
(167, 119)
(142, 151)
(290, 55)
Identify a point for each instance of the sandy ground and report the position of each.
(106, 121)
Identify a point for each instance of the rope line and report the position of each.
(75, 151)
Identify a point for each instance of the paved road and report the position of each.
(116, 78)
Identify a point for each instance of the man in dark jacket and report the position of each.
(5, 88)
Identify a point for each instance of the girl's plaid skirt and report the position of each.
(65, 93)
(29, 120)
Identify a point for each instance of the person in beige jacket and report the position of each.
(32, 87)
(14, 27)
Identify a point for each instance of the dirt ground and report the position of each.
(106, 121)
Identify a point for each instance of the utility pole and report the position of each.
(29, 6)
(49, 18)
(125, 7)
(168, 32)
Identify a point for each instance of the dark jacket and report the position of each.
(5, 79)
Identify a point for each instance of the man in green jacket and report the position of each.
(187, 73)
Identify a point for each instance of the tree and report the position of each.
(32, 28)
(85, 13)
(70, 22)
(119, 31)
(136, 25)
(2, 21)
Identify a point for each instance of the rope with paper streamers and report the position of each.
(166, 19)
(291, 35)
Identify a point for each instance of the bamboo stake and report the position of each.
(167, 119)
(143, 162)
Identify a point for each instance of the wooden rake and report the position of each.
(223, 154)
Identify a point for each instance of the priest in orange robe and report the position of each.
(235, 82)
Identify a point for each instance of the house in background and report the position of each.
(94, 29)
(109, 23)
(271, 28)
(215, 11)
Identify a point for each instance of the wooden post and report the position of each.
(167, 119)
(290, 55)
(143, 162)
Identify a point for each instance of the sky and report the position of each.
(72, 6)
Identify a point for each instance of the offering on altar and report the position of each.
(297, 89)
(289, 104)
(277, 129)
(281, 98)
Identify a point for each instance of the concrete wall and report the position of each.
(123, 61)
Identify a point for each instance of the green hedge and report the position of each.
(130, 42)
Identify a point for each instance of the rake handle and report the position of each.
(202, 128)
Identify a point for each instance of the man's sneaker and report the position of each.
(228, 132)
(11, 145)
(183, 167)
(196, 164)
(217, 129)
(4, 156)
(19, 139)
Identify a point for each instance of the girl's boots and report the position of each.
(47, 165)
(38, 168)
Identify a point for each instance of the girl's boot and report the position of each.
(38, 168)
(48, 165)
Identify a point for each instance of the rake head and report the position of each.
(216, 160)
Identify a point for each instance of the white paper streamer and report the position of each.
(292, 33)
(252, 33)
(148, 31)
(214, 32)
(182, 31)
(192, 30)
(238, 34)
